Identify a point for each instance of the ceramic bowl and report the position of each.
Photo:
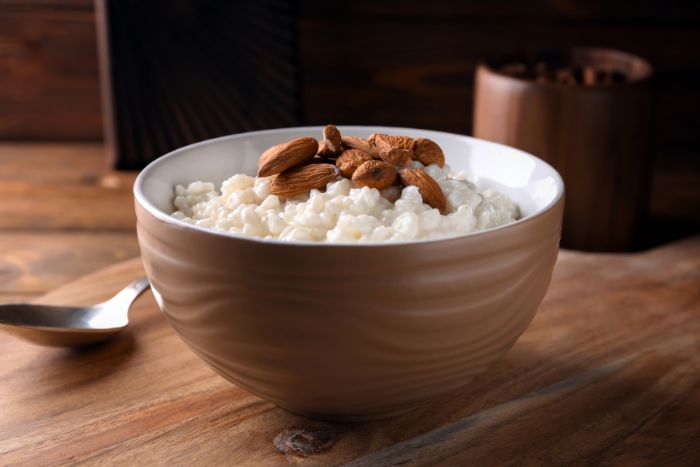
(349, 332)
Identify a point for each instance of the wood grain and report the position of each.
(87, 206)
(63, 215)
(35, 262)
(49, 82)
(63, 186)
(56, 163)
(606, 374)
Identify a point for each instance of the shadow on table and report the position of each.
(528, 407)
(91, 362)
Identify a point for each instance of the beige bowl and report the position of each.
(349, 332)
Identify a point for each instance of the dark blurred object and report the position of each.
(177, 72)
(597, 134)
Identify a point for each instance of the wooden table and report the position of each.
(608, 372)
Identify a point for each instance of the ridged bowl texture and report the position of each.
(349, 332)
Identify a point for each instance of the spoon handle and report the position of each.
(128, 294)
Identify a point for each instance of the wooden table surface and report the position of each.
(608, 372)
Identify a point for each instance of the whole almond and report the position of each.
(284, 156)
(303, 179)
(427, 152)
(353, 142)
(386, 142)
(350, 160)
(396, 156)
(429, 189)
(375, 174)
(331, 135)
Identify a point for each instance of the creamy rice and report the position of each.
(341, 213)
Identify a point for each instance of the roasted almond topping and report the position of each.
(396, 156)
(331, 135)
(428, 152)
(375, 174)
(353, 142)
(304, 164)
(284, 156)
(324, 149)
(350, 160)
(384, 142)
(331, 144)
(429, 189)
(303, 179)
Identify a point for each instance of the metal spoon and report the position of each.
(65, 326)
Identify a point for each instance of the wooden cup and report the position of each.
(596, 135)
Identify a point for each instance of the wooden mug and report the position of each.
(596, 134)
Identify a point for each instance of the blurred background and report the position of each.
(146, 77)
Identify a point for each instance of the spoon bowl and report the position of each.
(66, 326)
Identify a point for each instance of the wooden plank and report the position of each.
(92, 207)
(606, 373)
(32, 262)
(54, 163)
(62, 186)
(634, 387)
(49, 88)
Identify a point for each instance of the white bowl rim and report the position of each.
(141, 199)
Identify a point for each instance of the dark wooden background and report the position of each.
(49, 82)
(382, 62)
(368, 62)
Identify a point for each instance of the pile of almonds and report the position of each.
(572, 74)
(379, 161)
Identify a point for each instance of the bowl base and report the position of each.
(360, 417)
